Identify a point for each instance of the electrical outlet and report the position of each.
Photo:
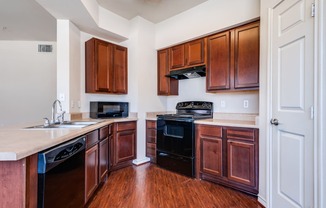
(223, 105)
(245, 103)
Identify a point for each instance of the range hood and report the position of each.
(188, 73)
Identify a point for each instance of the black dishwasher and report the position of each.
(61, 175)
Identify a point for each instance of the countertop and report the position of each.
(17, 143)
(221, 119)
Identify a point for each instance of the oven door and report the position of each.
(176, 136)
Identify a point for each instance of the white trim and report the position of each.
(269, 111)
(262, 201)
(141, 161)
(320, 95)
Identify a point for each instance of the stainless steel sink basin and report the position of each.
(87, 123)
(67, 124)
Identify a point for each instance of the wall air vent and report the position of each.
(44, 48)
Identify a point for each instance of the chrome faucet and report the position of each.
(54, 112)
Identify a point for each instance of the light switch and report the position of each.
(245, 103)
(223, 104)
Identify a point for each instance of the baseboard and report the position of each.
(262, 201)
(141, 161)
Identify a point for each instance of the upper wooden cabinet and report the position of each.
(246, 56)
(188, 54)
(233, 59)
(106, 67)
(165, 85)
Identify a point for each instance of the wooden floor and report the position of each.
(149, 186)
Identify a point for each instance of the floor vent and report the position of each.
(45, 48)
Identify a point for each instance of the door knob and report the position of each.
(274, 121)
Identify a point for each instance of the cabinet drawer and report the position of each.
(104, 132)
(241, 134)
(126, 126)
(150, 149)
(214, 131)
(151, 135)
(91, 139)
(151, 124)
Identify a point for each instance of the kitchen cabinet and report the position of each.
(105, 68)
(228, 156)
(91, 164)
(18, 180)
(151, 140)
(124, 144)
(165, 85)
(242, 156)
(189, 54)
(210, 150)
(103, 153)
(111, 146)
(233, 59)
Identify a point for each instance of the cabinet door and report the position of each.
(218, 62)
(195, 52)
(241, 162)
(246, 71)
(211, 155)
(91, 171)
(98, 69)
(125, 146)
(103, 159)
(120, 69)
(177, 57)
(165, 85)
(103, 73)
(111, 151)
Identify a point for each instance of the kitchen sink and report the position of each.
(66, 124)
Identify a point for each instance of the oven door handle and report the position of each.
(174, 136)
(188, 120)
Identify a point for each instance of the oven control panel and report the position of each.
(194, 105)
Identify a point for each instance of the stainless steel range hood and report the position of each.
(188, 73)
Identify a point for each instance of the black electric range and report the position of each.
(176, 136)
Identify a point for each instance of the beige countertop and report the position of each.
(229, 123)
(221, 119)
(17, 142)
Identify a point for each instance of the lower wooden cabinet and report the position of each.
(228, 156)
(211, 151)
(103, 154)
(124, 144)
(151, 140)
(18, 181)
(91, 164)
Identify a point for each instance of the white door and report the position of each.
(292, 69)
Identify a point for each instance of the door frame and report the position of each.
(319, 104)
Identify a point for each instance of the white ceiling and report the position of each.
(28, 20)
(153, 10)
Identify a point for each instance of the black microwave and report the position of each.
(102, 109)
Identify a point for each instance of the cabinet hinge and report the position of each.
(313, 9)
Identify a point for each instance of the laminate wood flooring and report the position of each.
(148, 186)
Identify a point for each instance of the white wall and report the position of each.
(27, 82)
(195, 89)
